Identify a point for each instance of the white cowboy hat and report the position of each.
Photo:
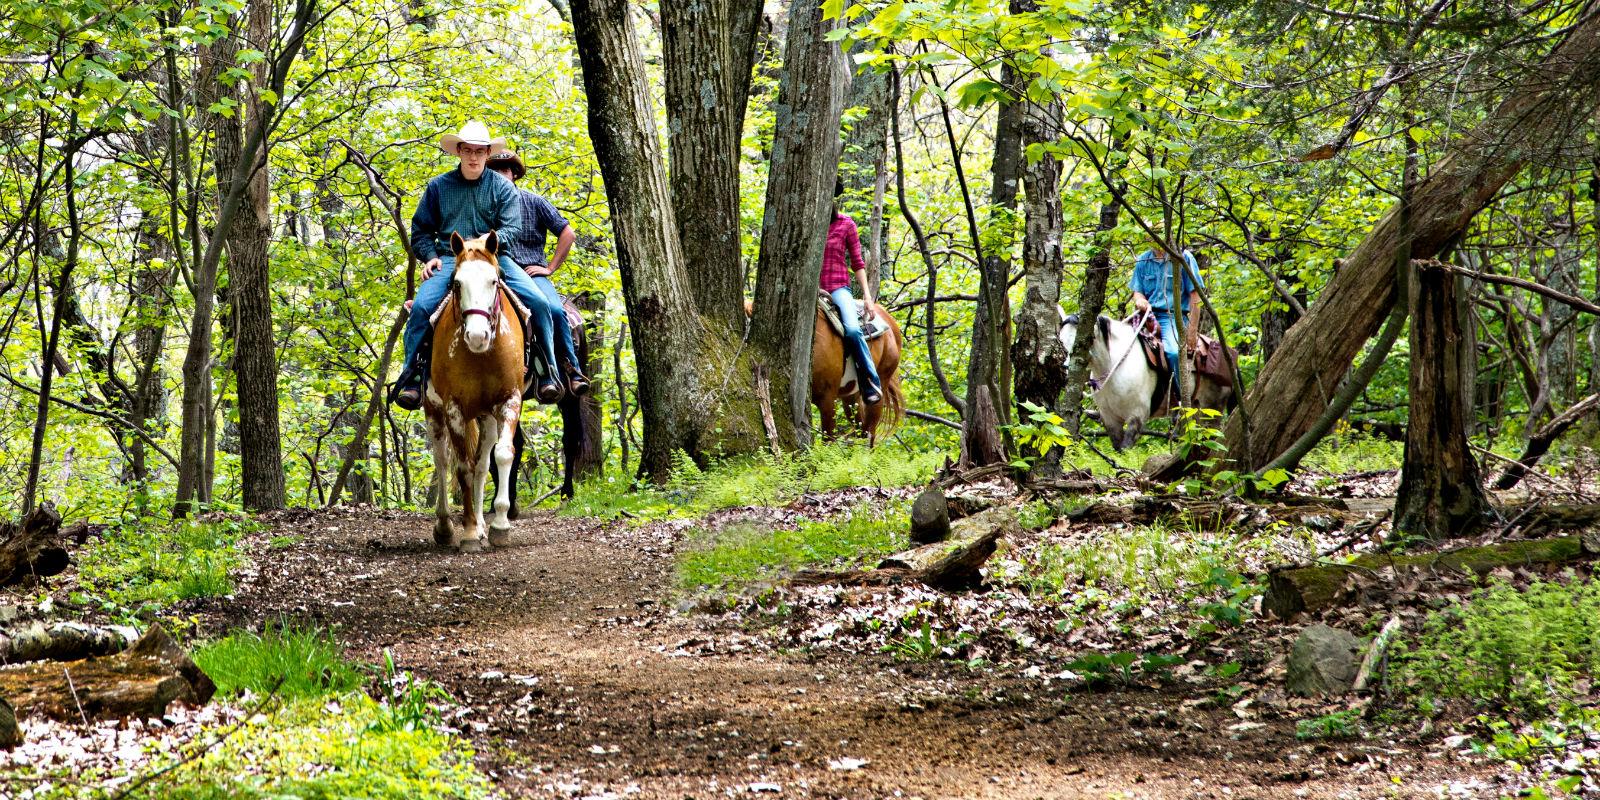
(473, 132)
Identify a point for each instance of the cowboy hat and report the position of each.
(473, 132)
(505, 159)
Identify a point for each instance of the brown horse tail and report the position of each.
(894, 405)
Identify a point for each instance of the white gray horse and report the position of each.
(1124, 382)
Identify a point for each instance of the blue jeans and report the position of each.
(433, 290)
(1169, 336)
(854, 338)
(554, 319)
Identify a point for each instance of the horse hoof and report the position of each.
(442, 535)
(471, 546)
(500, 537)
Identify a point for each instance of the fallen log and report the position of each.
(62, 641)
(949, 565)
(138, 682)
(1309, 589)
(1320, 513)
(33, 547)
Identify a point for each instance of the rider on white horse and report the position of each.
(1151, 283)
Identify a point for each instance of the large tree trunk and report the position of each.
(709, 49)
(794, 229)
(255, 359)
(1038, 356)
(863, 164)
(681, 364)
(1441, 493)
(984, 440)
(1298, 382)
(1091, 301)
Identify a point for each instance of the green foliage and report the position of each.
(738, 555)
(292, 660)
(409, 703)
(927, 644)
(1521, 651)
(1152, 559)
(1119, 667)
(322, 749)
(146, 565)
(1042, 431)
(1349, 450)
(1337, 725)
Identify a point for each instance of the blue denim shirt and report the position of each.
(1153, 279)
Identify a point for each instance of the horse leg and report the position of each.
(870, 414)
(826, 408)
(1130, 434)
(505, 458)
(471, 473)
(517, 443)
(443, 534)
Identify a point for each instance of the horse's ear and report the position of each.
(1104, 324)
(457, 245)
(492, 243)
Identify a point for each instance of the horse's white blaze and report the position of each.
(477, 285)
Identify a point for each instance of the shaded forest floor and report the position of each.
(581, 670)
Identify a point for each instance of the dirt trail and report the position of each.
(577, 684)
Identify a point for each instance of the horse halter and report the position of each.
(491, 314)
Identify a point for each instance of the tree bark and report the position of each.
(864, 161)
(33, 546)
(679, 360)
(1539, 442)
(794, 229)
(1441, 492)
(709, 48)
(984, 440)
(138, 682)
(1297, 383)
(1091, 301)
(255, 360)
(1038, 356)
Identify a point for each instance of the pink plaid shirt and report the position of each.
(842, 239)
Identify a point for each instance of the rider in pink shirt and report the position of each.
(844, 241)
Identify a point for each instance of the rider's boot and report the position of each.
(871, 392)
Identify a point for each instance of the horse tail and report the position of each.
(894, 404)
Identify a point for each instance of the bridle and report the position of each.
(491, 314)
(1138, 323)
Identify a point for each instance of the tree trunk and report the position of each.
(590, 461)
(709, 48)
(32, 547)
(864, 161)
(1038, 355)
(255, 357)
(1297, 383)
(984, 440)
(1091, 301)
(63, 291)
(794, 229)
(680, 363)
(1441, 493)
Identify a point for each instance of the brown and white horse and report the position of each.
(474, 393)
(831, 382)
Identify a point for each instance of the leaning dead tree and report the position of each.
(1297, 383)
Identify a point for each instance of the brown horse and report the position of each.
(830, 383)
(474, 395)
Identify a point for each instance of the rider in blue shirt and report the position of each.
(1152, 290)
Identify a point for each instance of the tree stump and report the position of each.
(33, 547)
(930, 517)
(138, 682)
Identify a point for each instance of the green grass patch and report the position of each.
(762, 479)
(147, 566)
(316, 748)
(296, 661)
(1524, 652)
(1349, 451)
(742, 554)
(1143, 560)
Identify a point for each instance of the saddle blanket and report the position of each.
(872, 325)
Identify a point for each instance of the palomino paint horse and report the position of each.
(833, 376)
(1126, 380)
(474, 395)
